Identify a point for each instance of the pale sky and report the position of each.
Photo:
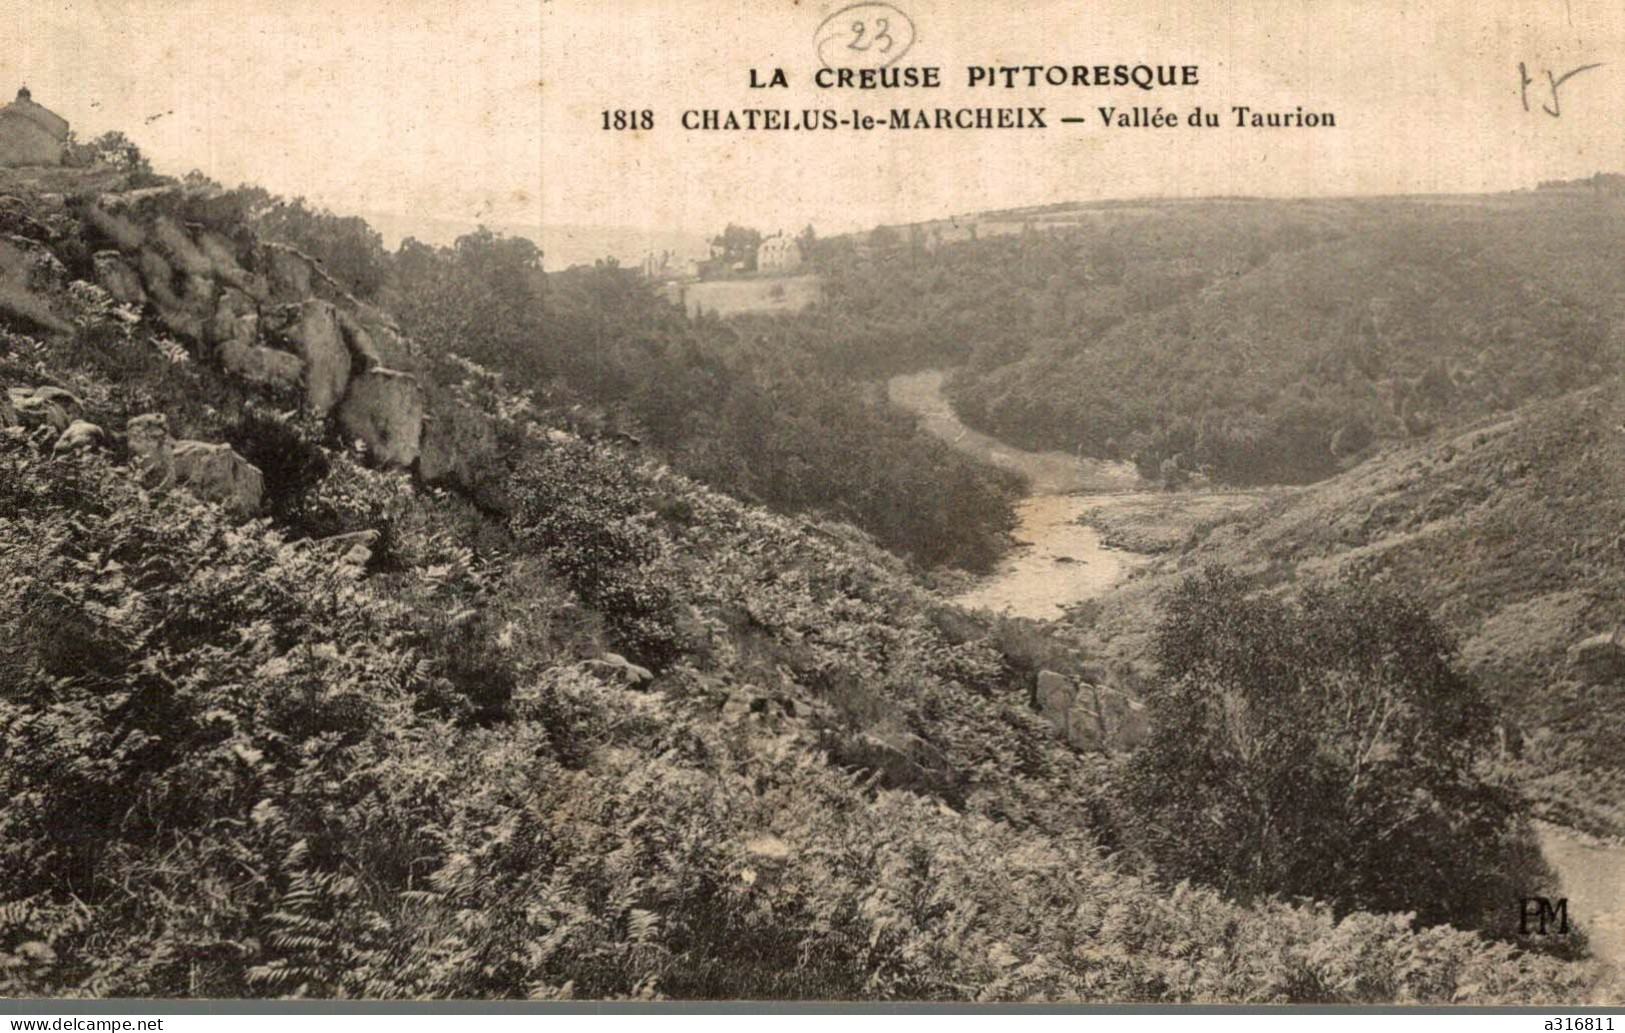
(427, 107)
(491, 110)
(1426, 97)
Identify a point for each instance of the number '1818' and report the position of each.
(621, 118)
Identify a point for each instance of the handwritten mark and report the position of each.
(866, 35)
(1555, 109)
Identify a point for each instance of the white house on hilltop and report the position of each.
(778, 254)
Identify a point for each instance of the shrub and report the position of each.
(1327, 749)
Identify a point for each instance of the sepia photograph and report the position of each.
(660, 507)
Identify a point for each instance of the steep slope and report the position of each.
(482, 708)
(1509, 530)
(1279, 368)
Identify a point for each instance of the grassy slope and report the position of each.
(251, 769)
(1509, 529)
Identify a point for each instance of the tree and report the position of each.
(737, 244)
(112, 150)
(1327, 749)
(347, 245)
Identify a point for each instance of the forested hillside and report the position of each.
(337, 664)
(1260, 341)
(745, 407)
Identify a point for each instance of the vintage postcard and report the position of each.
(888, 503)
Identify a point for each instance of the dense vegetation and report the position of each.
(235, 765)
(1508, 533)
(590, 728)
(1329, 748)
(747, 407)
(1265, 342)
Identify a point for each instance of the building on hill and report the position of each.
(778, 254)
(31, 134)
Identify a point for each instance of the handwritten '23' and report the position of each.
(870, 35)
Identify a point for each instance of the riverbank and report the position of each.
(1059, 560)
(1088, 526)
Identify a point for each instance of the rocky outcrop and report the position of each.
(384, 410)
(119, 279)
(25, 269)
(17, 216)
(311, 331)
(80, 436)
(213, 472)
(901, 759)
(1090, 717)
(291, 274)
(35, 407)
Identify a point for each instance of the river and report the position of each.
(1062, 562)
(1592, 874)
(1058, 561)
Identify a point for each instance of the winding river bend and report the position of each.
(1061, 562)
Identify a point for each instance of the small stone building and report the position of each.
(31, 134)
(778, 254)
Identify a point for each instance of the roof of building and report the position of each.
(45, 118)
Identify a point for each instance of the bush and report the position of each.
(1329, 749)
(585, 512)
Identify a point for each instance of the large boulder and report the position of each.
(1600, 658)
(119, 279)
(311, 330)
(79, 437)
(291, 274)
(118, 228)
(384, 409)
(213, 472)
(1091, 717)
(266, 367)
(43, 406)
(16, 216)
(236, 318)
